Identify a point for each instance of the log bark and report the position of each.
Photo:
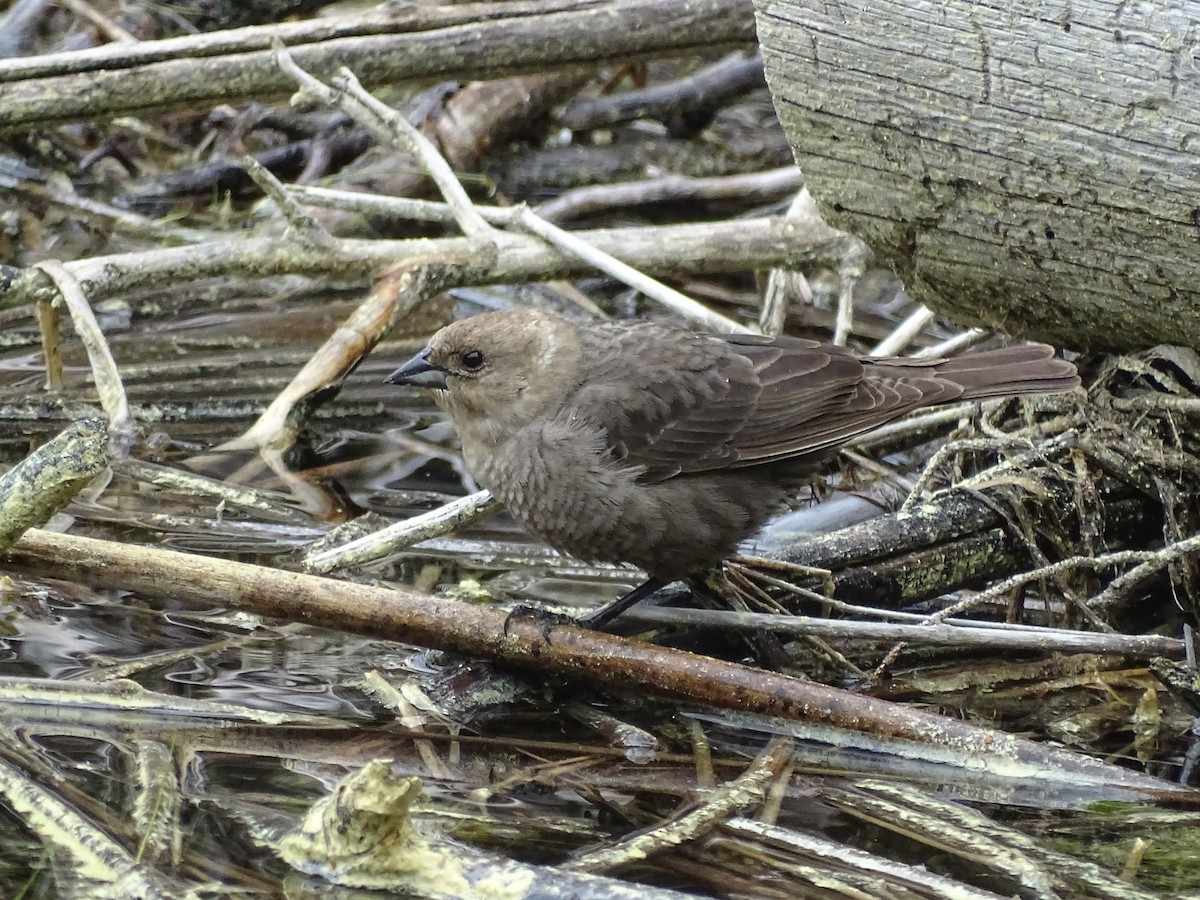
(1033, 168)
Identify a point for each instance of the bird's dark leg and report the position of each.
(605, 614)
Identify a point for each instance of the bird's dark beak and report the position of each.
(419, 371)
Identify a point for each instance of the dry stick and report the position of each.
(670, 249)
(48, 328)
(121, 426)
(1053, 640)
(107, 26)
(301, 226)
(386, 123)
(18, 24)
(844, 322)
(748, 789)
(782, 283)
(393, 296)
(566, 241)
(402, 134)
(878, 469)
(516, 38)
(1141, 403)
(590, 199)
(918, 492)
(610, 265)
(413, 20)
(903, 334)
(708, 88)
(750, 188)
(1033, 454)
(388, 541)
(1155, 560)
(109, 217)
(395, 209)
(953, 345)
(606, 263)
(533, 644)
(922, 421)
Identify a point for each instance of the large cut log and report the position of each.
(1028, 167)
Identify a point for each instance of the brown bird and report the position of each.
(656, 446)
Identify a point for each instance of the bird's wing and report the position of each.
(815, 397)
(667, 401)
(677, 406)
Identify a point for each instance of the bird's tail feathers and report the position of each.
(1024, 369)
(1027, 369)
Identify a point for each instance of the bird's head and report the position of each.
(497, 371)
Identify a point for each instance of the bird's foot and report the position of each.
(544, 619)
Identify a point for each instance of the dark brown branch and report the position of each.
(529, 643)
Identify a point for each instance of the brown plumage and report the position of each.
(660, 447)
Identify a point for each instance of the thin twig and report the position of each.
(107, 26)
(1119, 588)
(877, 468)
(785, 283)
(973, 634)
(390, 125)
(122, 428)
(48, 328)
(398, 209)
(89, 209)
(747, 789)
(403, 135)
(902, 335)
(394, 538)
(304, 227)
(673, 300)
(596, 198)
(844, 323)
(1000, 589)
(950, 346)
(977, 445)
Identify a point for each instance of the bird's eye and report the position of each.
(472, 360)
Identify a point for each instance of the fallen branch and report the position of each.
(490, 41)
(533, 644)
(667, 250)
